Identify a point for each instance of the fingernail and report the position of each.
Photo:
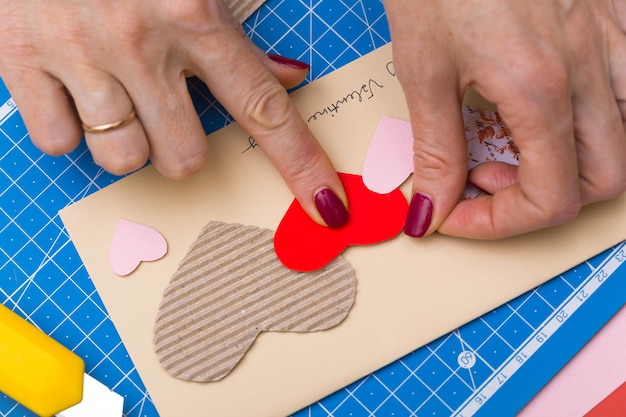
(419, 215)
(289, 62)
(331, 208)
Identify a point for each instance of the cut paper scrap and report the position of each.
(596, 371)
(132, 244)
(612, 406)
(389, 158)
(488, 138)
(228, 289)
(303, 245)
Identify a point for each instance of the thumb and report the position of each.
(492, 177)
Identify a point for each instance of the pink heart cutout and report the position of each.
(389, 159)
(132, 244)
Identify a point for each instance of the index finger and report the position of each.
(256, 99)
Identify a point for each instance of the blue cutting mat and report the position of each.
(43, 279)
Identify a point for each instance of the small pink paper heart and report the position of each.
(132, 244)
(389, 159)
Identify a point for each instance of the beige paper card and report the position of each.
(409, 291)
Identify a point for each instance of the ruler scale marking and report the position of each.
(551, 325)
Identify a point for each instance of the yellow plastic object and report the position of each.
(36, 370)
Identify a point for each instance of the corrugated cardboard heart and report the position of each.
(231, 287)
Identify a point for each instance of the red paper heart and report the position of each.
(303, 245)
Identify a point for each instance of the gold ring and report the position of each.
(110, 126)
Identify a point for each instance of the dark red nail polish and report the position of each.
(419, 215)
(289, 62)
(331, 208)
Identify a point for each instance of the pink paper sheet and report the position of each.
(389, 159)
(596, 371)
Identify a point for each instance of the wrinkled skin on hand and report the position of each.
(95, 60)
(555, 68)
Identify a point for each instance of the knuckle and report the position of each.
(184, 10)
(547, 70)
(606, 183)
(123, 163)
(184, 167)
(268, 108)
(433, 72)
(181, 171)
(560, 211)
(303, 170)
(53, 145)
(194, 14)
(431, 162)
(567, 213)
(53, 139)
